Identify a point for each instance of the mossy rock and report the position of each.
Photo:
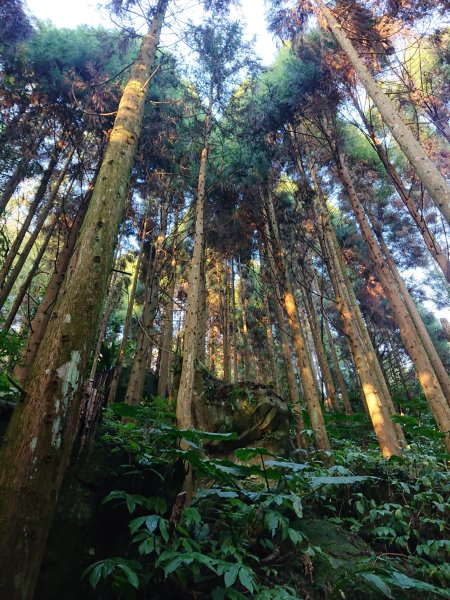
(339, 558)
(253, 411)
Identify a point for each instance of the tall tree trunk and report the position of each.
(226, 323)
(127, 323)
(29, 278)
(109, 307)
(340, 379)
(42, 429)
(331, 399)
(424, 336)
(43, 314)
(45, 210)
(293, 391)
(426, 170)
(430, 241)
(167, 343)
(347, 290)
(144, 340)
(234, 326)
(202, 316)
(304, 361)
(20, 171)
(425, 372)
(191, 330)
(271, 344)
(376, 400)
(246, 344)
(40, 193)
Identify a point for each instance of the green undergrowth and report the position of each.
(269, 527)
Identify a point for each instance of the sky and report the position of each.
(67, 13)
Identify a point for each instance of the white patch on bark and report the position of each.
(67, 318)
(68, 374)
(33, 443)
(56, 432)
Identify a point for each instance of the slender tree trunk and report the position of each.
(291, 380)
(144, 340)
(246, 344)
(331, 399)
(41, 432)
(226, 323)
(202, 317)
(446, 328)
(304, 361)
(430, 241)
(191, 330)
(167, 343)
(426, 170)
(45, 210)
(424, 336)
(342, 386)
(40, 193)
(271, 344)
(234, 327)
(127, 323)
(20, 171)
(375, 397)
(425, 372)
(348, 292)
(101, 333)
(45, 308)
(29, 278)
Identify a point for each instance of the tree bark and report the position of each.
(191, 334)
(426, 170)
(374, 393)
(304, 361)
(45, 308)
(45, 210)
(136, 382)
(293, 391)
(246, 344)
(234, 327)
(225, 300)
(40, 193)
(331, 399)
(127, 323)
(29, 278)
(425, 372)
(167, 343)
(41, 432)
(430, 241)
(20, 170)
(424, 336)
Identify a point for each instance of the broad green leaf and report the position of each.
(131, 575)
(95, 574)
(136, 523)
(151, 522)
(195, 434)
(404, 582)
(316, 481)
(131, 504)
(378, 583)
(295, 536)
(245, 454)
(231, 575)
(287, 465)
(172, 565)
(246, 578)
(217, 492)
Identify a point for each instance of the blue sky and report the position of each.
(67, 13)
